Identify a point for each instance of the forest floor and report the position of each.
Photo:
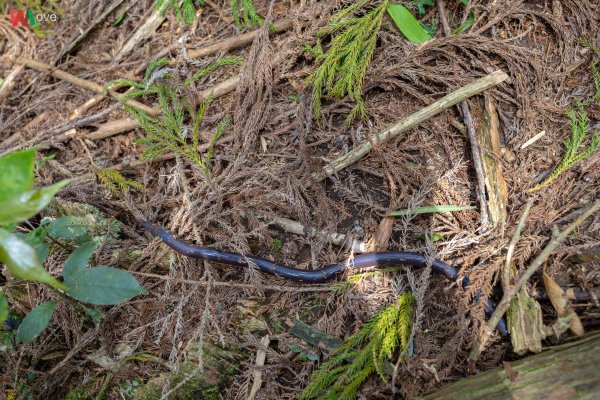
(261, 170)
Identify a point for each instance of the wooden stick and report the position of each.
(115, 127)
(477, 163)
(411, 121)
(224, 45)
(82, 83)
(468, 119)
(557, 239)
(297, 228)
(9, 82)
(506, 273)
(297, 289)
(261, 356)
(146, 30)
(60, 134)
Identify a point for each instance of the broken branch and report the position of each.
(557, 239)
(411, 121)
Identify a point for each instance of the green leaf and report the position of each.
(68, 227)
(103, 286)
(16, 173)
(312, 357)
(120, 18)
(433, 236)
(42, 251)
(470, 20)
(25, 205)
(408, 24)
(428, 210)
(78, 260)
(35, 239)
(36, 321)
(294, 347)
(22, 260)
(3, 308)
(421, 5)
(95, 315)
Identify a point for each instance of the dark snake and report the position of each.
(324, 274)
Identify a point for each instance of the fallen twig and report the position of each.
(532, 140)
(411, 121)
(298, 228)
(477, 163)
(19, 134)
(82, 83)
(468, 119)
(506, 273)
(557, 238)
(143, 32)
(62, 132)
(224, 45)
(278, 288)
(115, 127)
(261, 356)
(9, 82)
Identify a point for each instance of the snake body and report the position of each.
(324, 274)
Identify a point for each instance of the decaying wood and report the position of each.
(261, 356)
(557, 238)
(524, 313)
(568, 371)
(411, 121)
(488, 138)
(476, 155)
(525, 323)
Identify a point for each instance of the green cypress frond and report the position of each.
(249, 15)
(343, 67)
(168, 134)
(229, 60)
(221, 128)
(579, 131)
(161, 62)
(363, 353)
(115, 181)
(185, 11)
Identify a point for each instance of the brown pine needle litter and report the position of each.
(305, 84)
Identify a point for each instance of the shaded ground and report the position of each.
(261, 166)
